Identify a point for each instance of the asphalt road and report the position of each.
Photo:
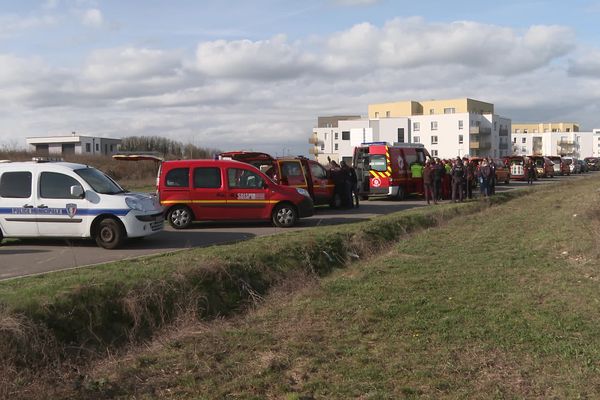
(29, 257)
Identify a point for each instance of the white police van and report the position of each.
(66, 200)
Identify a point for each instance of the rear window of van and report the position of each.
(15, 185)
(178, 177)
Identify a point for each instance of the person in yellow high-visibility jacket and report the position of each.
(416, 170)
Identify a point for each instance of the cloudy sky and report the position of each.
(255, 74)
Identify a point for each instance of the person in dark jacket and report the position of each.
(428, 183)
(530, 172)
(346, 182)
(469, 177)
(438, 175)
(483, 177)
(458, 174)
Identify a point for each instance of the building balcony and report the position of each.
(503, 132)
(478, 130)
(477, 145)
(314, 150)
(566, 143)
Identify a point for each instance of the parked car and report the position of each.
(502, 171)
(227, 190)
(583, 166)
(593, 163)
(573, 164)
(544, 167)
(560, 167)
(57, 199)
(516, 166)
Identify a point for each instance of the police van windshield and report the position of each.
(99, 181)
(377, 162)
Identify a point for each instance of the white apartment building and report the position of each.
(451, 128)
(569, 144)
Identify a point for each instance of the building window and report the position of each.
(523, 140)
(525, 131)
(416, 126)
(97, 146)
(112, 148)
(535, 131)
(495, 125)
(376, 114)
(434, 125)
(325, 135)
(400, 135)
(336, 136)
(514, 140)
(417, 139)
(434, 153)
(322, 147)
(524, 149)
(88, 148)
(432, 111)
(387, 114)
(460, 139)
(460, 124)
(451, 110)
(434, 140)
(345, 135)
(335, 146)
(568, 129)
(517, 131)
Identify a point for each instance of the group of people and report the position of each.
(346, 183)
(456, 178)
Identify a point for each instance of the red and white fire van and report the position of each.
(385, 170)
(219, 190)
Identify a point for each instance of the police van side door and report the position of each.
(17, 210)
(58, 212)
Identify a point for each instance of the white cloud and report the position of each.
(266, 94)
(11, 24)
(271, 59)
(92, 18)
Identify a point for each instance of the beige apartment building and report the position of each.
(431, 107)
(542, 127)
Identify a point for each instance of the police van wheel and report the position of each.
(285, 215)
(109, 234)
(180, 217)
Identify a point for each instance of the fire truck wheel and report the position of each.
(336, 201)
(180, 217)
(109, 234)
(285, 215)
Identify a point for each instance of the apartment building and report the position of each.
(556, 139)
(447, 128)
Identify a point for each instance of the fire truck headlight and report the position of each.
(303, 192)
(134, 204)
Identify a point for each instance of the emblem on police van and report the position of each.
(71, 210)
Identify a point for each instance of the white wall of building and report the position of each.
(585, 144)
(444, 135)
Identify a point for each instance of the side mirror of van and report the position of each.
(77, 191)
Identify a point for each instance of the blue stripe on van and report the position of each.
(63, 211)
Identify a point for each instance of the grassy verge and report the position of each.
(74, 316)
(498, 304)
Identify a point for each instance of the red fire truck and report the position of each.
(385, 170)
